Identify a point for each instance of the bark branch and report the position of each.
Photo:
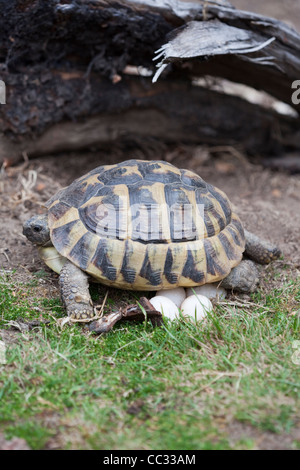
(64, 66)
(173, 111)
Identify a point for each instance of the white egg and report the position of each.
(177, 295)
(165, 306)
(212, 291)
(196, 307)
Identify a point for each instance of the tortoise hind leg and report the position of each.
(259, 250)
(74, 290)
(243, 278)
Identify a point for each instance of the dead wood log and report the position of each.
(173, 111)
(65, 70)
(241, 46)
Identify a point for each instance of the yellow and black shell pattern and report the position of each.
(146, 225)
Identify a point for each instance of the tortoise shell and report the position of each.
(146, 225)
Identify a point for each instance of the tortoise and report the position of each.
(144, 225)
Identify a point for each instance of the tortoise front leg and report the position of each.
(74, 290)
(259, 250)
(243, 278)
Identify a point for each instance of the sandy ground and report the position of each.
(287, 11)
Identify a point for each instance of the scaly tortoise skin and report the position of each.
(143, 225)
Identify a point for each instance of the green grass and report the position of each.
(183, 386)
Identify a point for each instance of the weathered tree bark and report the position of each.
(238, 45)
(173, 110)
(65, 69)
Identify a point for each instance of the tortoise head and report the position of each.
(37, 230)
